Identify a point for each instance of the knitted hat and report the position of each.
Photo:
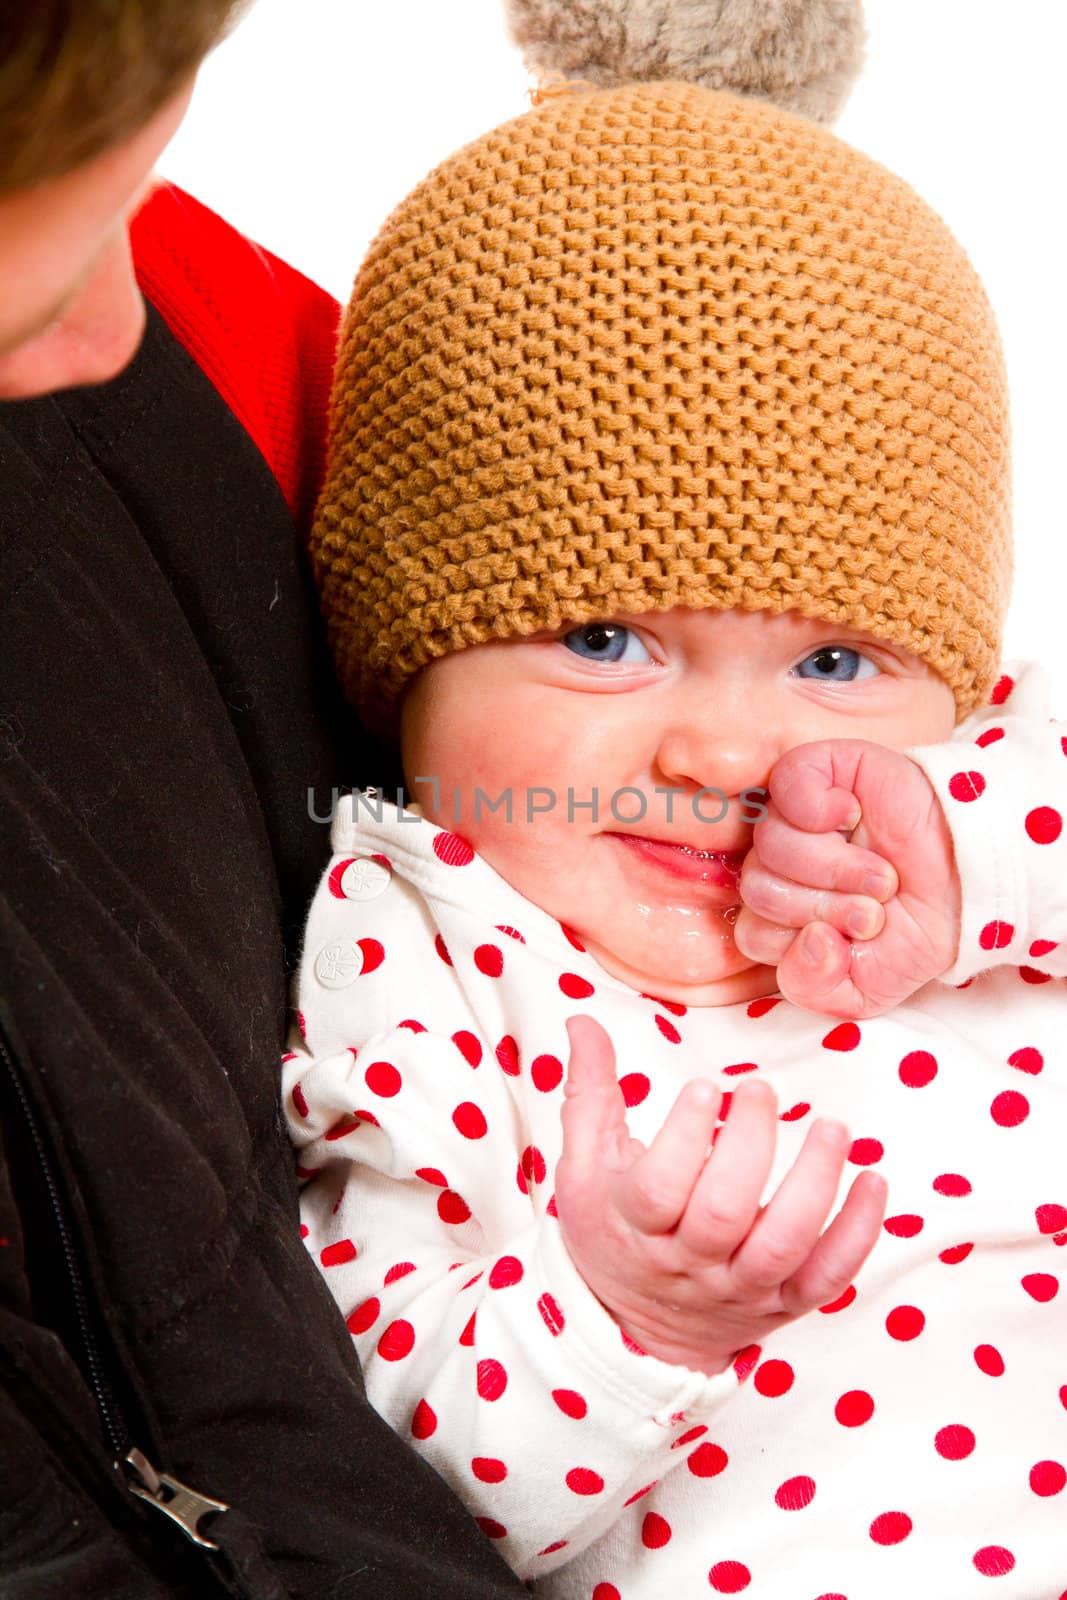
(656, 345)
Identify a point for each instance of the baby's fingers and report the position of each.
(657, 1186)
(821, 860)
(784, 1234)
(727, 1194)
(594, 1113)
(841, 1250)
(787, 904)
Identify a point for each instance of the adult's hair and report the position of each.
(77, 76)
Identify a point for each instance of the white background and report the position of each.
(316, 116)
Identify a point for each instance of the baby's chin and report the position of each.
(716, 976)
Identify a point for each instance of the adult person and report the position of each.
(166, 705)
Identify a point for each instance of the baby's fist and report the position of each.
(850, 888)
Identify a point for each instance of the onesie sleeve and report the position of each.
(1002, 783)
(434, 1227)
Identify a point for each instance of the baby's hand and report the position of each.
(854, 926)
(674, 1241)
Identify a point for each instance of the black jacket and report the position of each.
(165, 706)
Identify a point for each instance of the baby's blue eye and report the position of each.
(605, 641)
(836, 664)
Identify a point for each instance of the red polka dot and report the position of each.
(737, 1067)
(1009, 1109)
(655, 1531)
(490, 960)
(1041, 1286)
(905, 1323)
(760, 1008)
(546, 1073)
(966, 785)
(996, 935)
(952, 1184)
(452, 850)
(571, 1403)
(1027, 1060)
(640, 1493)
(631, 1344)
(470, 1120)
(583, 1480)
(1044, 824)
(340, 1130)
(707, 1461)
(891, 1527)
(795, 1113)
(917, 1069)
(506, 1271)
(487, 1469)
(634, 1087)
(432, 1175)
(397, 1341)
(846, 1036)
(469, 1046)
(1001, 690)
(865, 1152)
(1063, 1396)
(507, 1055)
(794, 1494)
(335, 1255)
(773, 1378)
(451, 1207)
(412, 1025)
(534, 1166)
(842, 1302)
(512, 933)
(1051, 1218)
(400, 1270)
(729, 1577)
(668, 1030)
(298, 1100)
(989, 736)
(854, 1408)
(551, 1314)
(442, 950)
(364, 1316)
(689, 1435)
(606, 1591)
(423, 1421)
(572, 938)
(675, 1007)
(382, 1078)
(988, 1359)
(1042, 947)
(1047, 1478)
(520, 1179)
(491, 1528)
(955, 1442)
(492, 1379)
(906, 1226)
(993, 1561)
(574, 987)
(745, 1360)
(467, 1336)
(373, 955)
(955, 1253)
(1032, 975)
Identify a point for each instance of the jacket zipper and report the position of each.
(175, 1500)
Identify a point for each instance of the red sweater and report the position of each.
(263, 333)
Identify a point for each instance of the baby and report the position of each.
(666, 524)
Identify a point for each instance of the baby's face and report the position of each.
(623, 711)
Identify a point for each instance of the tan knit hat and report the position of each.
(654, 346)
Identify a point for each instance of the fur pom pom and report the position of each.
(804, 55)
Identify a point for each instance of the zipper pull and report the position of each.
(175, 1499)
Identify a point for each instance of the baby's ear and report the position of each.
(804, 58)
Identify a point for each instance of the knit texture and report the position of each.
(659, 346)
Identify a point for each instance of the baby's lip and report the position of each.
(728, 855)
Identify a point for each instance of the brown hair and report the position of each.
(77, 76)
